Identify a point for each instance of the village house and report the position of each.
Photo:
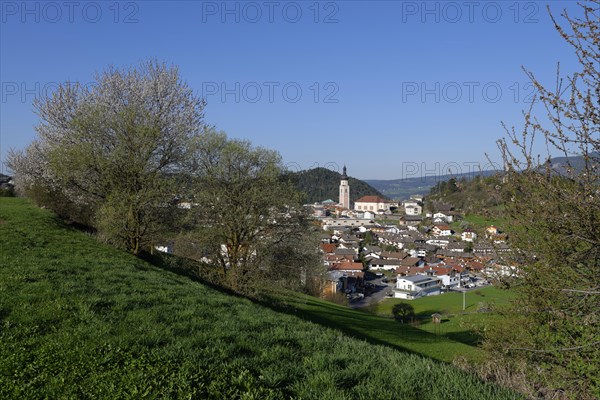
(331, 259)
(450, 280)
(346, 266)
(412, 262)
(350, 245)
(346, 275)
(492, 250)
(441, 230)
(457, 247)
(411, 220)
(491, 231)
(370, 215)
(346, 252)
(388, 265)
(447, 217)
(375, 204)
(412, 207)
(407, 271)
(412, 287)
(439, 241)
(328, 248)
(499, 238)
(468, 235)
(393, 255)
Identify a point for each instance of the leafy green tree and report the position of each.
(108, 155)
(368, 239)
(552, 332)
(403, 312)
(251, 217)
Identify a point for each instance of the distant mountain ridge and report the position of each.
(561, 164)
(403, 188)
(321, 184)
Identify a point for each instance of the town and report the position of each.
(382, 248)
(300, 200)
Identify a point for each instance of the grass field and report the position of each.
(385, 330)
(450, 303)
(456, 324)
(82, 320)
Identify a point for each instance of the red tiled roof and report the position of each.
(398, 255)
(338, 258)
(410, 261)
(456, 267)
(407, 271)
(372, 199)
(328, 247)
(347, 266)
(440, 270)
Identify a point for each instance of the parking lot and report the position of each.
(374, 290)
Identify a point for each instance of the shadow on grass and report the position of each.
(186, 268)
(355, 323)
(471, 338)
(371, 328)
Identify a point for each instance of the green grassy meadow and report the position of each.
(383, 329)
(79, 319)
(456, 324)
(450, 303)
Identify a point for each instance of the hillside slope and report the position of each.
(403, 188)
(321, 184)
(82, 320)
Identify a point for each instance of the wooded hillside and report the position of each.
(321, 184)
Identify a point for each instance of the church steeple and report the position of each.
(344, 176)
(344, 190)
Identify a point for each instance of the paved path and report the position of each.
(381, 289)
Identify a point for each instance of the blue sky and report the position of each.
(381, 86)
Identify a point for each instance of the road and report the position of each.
(376, 296)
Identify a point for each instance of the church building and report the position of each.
(344, 191)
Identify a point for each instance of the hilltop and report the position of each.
(321, 184)
(80, 320)
(403, 188)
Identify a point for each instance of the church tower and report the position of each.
(344, 190)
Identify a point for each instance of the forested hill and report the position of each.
(480, 195)
(483, 193)
(403, 188)
(321, 184)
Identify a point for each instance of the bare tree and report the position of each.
(553, 328)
